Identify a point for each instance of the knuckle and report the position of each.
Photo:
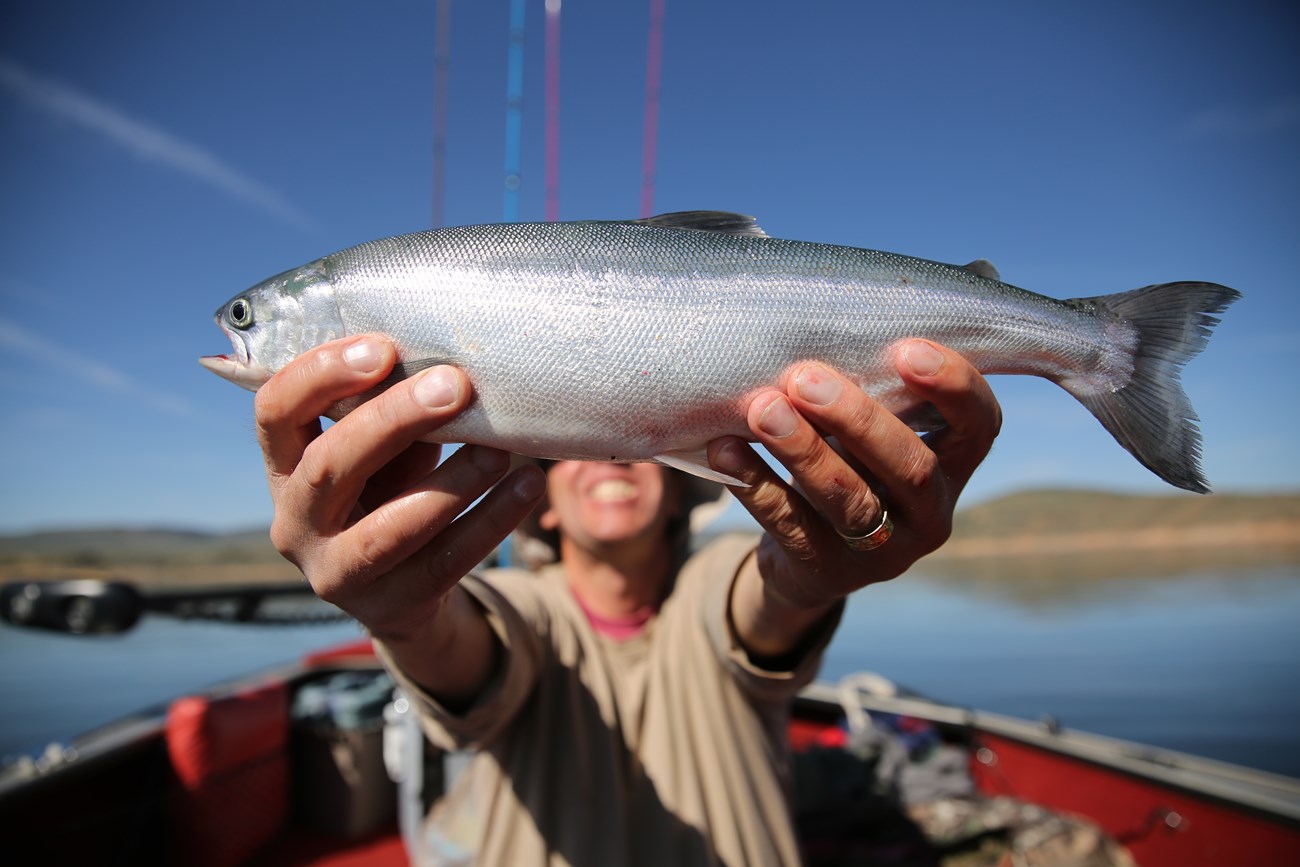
(330, 590)
(284, 540)
(919, 469)
(269, 406)
(859, 503)
(943, 531)
(316, 469)
(384, 415)
(868, 415)
(292, 544)
(793, 538)
(322, 363)
(374, 547)
(439, 566)
(798, 547)
(935, 535)
(995, 426)
(300, 381)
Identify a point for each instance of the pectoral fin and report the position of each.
(696, 462)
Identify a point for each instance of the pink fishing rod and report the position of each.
(654, 65)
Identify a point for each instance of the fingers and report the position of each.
(290, 405)
(902, 465)
(472, 537)
(911, 473)
(851, 459)
(826, 478)
(425, 537)
(786, 516)
(391, 568)
(377, 525)
(410, 467)
(334, 470)
(962, 396)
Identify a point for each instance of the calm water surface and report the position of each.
(1205, 663)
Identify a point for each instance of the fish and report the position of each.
(643, 340)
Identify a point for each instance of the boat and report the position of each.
(319, 763)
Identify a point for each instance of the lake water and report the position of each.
(1202, 662)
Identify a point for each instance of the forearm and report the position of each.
(767, 625)
(453, 655)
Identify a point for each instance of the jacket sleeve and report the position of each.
(713, 571)
(518, 618)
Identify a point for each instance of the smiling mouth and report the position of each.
(613, 491)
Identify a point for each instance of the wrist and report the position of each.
(786, 588)
(425, 631)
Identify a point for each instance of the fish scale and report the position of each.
(646, 339)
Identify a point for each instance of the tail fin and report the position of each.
(1151, 416)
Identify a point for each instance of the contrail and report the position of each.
(16, 337)
(146, 142)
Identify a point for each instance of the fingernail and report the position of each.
(728, 458)
(437, 388)
(778, 419)
(817, 385)
(529, 484)
(364, 355)
(922, 358)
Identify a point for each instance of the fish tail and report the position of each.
(1151, 415)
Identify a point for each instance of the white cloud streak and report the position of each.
(19, 340)
(146, 142)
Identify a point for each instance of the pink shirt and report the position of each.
(618, 628)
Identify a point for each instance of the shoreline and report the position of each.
(1283, 533)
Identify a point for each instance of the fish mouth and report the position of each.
(236, 366)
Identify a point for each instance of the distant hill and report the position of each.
(1073, 511)
(1024, 525)
(1050, 548)
(154, 557)
(1072, 521)
(107, 546)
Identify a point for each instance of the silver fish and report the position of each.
(645, 339)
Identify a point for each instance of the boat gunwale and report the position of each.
(1268, 795)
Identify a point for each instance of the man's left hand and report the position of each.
(813, 551)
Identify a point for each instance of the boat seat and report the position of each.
(230, 756)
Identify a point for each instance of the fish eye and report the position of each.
(241, 313)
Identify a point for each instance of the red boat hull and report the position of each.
(1160, 826)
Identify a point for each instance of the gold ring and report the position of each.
(875, 538)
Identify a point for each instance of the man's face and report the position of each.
(598, 505)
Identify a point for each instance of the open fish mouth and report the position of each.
(236, 365)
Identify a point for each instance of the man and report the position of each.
(598, 745)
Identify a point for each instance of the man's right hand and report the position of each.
(365, 510)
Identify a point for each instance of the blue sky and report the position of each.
(159, 157)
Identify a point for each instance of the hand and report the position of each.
(804, 561)
(364, 509)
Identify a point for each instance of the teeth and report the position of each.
(613, 490)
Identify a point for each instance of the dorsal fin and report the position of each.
(983, 268)
(707, 221)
